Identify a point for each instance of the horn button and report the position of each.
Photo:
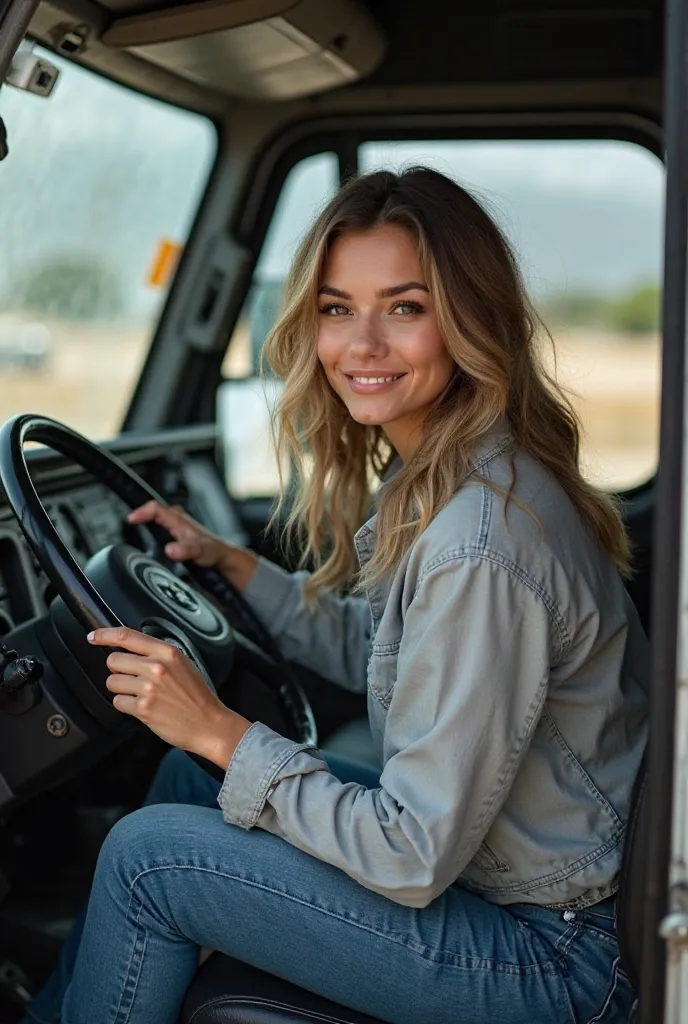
(179, 598)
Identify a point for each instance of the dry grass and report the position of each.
(87, 381)
(614, 381)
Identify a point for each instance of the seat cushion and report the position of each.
(226, 991)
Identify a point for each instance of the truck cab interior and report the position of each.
(163, 159)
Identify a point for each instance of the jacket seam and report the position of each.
(500, 446)
(490, 555)
(486, 516)
(517, 751)
(522, 886)
(571, 757)
(267, 778)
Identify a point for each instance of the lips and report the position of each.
(368, 384)
(374, 380)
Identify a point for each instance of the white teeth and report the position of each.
(376, 380)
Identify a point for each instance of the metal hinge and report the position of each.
(674, 931)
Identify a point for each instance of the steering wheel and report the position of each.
(123, 585)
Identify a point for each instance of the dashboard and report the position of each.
(180, 465)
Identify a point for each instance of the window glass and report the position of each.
(586, 220)
(243, 405)
(97, 197)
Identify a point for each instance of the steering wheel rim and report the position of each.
(69, 580)
(52, 554)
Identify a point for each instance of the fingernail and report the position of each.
(91, 637)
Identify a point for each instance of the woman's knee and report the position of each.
(161, 835)
(130, 843)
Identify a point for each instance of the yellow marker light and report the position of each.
(164, 263)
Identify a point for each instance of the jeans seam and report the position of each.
(564, 941)
(427, 953)
(598, 933)
(613, 985)
(134, 959)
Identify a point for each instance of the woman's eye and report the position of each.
(407, 308)
(333, 309)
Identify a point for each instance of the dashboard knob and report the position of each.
(19, 689)
(20, 672)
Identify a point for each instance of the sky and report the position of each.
(103, 174)
(581, 214)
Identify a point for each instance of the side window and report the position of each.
(243, 400)
(585, 219)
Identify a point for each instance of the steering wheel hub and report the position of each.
(180, 599)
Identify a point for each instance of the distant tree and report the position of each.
(576, 309)
(638, 311)
(635, 311)
(74, 287)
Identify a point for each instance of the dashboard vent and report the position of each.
(16, 605)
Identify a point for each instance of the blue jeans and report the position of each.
(173, 877)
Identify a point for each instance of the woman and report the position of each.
(505, 667)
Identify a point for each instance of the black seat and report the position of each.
(229, 992)
(226, 991)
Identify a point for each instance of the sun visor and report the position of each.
(258, 49)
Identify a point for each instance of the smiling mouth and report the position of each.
(368, 378)
(375, 380)
(367, 383)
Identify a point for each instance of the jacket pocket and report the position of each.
(382, 671)
(487, 860)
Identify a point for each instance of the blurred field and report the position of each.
(614, 382)
(89, 378)
(86, 382)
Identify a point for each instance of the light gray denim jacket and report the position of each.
(506, 672)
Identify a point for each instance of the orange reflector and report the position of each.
(164, 263)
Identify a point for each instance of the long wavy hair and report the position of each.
(490, 329)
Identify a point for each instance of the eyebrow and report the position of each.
(385, 293)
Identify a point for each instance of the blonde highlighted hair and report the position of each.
(489, 328)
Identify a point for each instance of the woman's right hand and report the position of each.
(193, 543)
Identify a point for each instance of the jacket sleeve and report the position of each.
(472, 678)
(333, 639)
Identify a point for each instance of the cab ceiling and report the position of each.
(443, 41)
(440, 55)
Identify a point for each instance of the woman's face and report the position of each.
(378, 340)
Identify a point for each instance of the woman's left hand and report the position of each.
(156, 683)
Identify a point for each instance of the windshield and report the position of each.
(97, 197)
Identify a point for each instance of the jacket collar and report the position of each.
(495, 441)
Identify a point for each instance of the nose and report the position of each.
(368, 339)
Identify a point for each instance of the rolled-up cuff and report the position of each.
(258, 763)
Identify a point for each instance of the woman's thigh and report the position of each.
(171, 874)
